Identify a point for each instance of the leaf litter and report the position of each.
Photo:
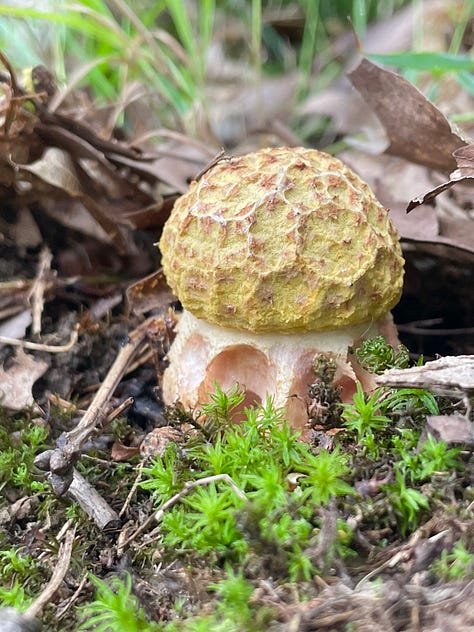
(99, 204)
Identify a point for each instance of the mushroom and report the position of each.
(276, 256)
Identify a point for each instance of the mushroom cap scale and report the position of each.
(282, 240)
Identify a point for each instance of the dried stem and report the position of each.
(60, 570)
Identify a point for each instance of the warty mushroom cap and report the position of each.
(283, 240)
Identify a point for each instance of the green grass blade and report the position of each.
(94, 25)
(206, 23)
(308, 44)
(466, 80)
(433, 62)
(256, 18)
(461, 26)
(183, 26)
(150, 14)
(359, 17)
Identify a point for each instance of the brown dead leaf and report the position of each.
(451, 428)
(416, 128)
(173, 166)
(429, 195)
(465, 161)
(18, 510)
(464, 157)
(393, 181)
(16, 381)
(25, 232)
(57, 169)
(48, 158)
(121, 452)
(150, 294)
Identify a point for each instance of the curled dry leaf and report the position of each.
(150, 294)
(417, 130)
(16, 381)
(121, 452)
(464, 157)
(393, 181)
(451, 429)
(48, 158)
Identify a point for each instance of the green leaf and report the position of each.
(95, 25)
(433, 62)
(182, 23)
(466, 80)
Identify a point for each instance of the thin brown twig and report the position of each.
(132, 491)
(61, 461)
(119, 410)
(39, 346)
(187, 487)
(96, 411)
(60, 570)
(64, 609)
(221, 156)
(38, 289)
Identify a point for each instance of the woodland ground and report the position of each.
(171, 524)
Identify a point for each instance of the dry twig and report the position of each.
(38, 290)
(60, 570)
(187, 487)
(61, 461)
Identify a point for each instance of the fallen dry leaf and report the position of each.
(55, 168)
(465, 161)
(429, 195)
(19, 510)
(16, 381)
(464, 157)
(451, 428)
(393, 181)
(150, 294)
(48, 158)
(121, 452)
(416, 128)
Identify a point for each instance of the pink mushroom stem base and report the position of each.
(278, 365)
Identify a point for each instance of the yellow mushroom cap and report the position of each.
(282, 240)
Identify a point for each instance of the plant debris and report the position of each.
(120, 513)
(416, 129)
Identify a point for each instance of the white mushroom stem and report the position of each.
(274, 364)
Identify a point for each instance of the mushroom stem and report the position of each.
(274, 364)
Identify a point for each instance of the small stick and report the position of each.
(96, 411)
(187, 487)
(89, 499)
(39, 346)
(38, 290)
(217, 158)
(136, 482)
(60, 570)
(60, 461)
(64, 609)
(121, 408)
